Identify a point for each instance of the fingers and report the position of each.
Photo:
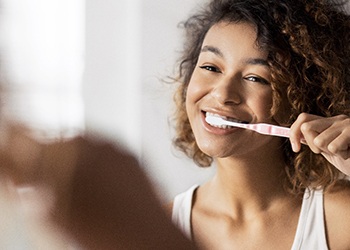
(296, 134)
(322, 135)
(334, 141)
(316, 134)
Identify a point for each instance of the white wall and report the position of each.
(42, 46)
(130, 47)
(112, 87)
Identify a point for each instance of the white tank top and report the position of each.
(310, 232)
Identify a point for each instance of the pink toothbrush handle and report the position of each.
(262, 128)
(280, 131)
(274, 130)
(268, 129)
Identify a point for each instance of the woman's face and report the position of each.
(231, 79)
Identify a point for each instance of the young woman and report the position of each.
(278, 62)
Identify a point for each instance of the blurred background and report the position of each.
(72, 66)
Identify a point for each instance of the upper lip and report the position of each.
(226, 115)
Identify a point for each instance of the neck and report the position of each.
(250, 180)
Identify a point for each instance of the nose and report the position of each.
(227, 92)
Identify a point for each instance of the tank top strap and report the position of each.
(181, 213)
(311, 232)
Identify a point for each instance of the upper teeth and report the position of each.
(223, 117)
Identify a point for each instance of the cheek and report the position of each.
(267, 103)
(195, 91)
(262, 105)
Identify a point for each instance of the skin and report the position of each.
(327, 136)
(100, 197)
(251, 210)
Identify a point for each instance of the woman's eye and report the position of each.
(256, 79)
(210, 68)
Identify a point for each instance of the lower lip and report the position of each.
(216, 130)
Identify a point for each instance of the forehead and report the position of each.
(229, 37)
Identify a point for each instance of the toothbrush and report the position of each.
(262, 128)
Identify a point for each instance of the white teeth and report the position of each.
(216, 115)
(223, 117)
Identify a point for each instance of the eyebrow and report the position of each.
(218, 52)
(256, 61)
(212, 49)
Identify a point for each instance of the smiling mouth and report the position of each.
(225, 118)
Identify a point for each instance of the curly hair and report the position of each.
(308, 45)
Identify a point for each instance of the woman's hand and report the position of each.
(327, 136)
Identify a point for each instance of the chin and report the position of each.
(215, 151)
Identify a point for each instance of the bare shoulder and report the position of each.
(337, 215)
(338, 197)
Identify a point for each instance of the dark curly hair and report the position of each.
(308, 45)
